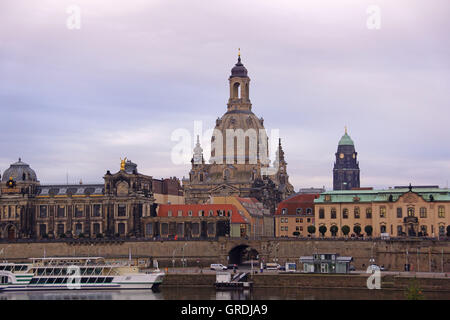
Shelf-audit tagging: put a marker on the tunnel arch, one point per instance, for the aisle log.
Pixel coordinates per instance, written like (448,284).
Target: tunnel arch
(241,254)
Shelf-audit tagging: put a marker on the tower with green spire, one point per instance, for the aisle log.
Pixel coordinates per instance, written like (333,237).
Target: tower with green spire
(346,168)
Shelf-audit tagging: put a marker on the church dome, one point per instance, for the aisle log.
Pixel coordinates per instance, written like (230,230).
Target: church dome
(239,70)
(19,171)
(346,140)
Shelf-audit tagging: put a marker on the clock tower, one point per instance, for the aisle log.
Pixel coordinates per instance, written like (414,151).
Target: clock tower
(346,167)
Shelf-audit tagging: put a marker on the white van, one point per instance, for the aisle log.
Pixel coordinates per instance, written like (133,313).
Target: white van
(218,266)
(272,266)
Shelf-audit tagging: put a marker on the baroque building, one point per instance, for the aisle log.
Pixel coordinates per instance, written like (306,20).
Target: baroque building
(113,208)
(399,212)
(239,165)
(346,167)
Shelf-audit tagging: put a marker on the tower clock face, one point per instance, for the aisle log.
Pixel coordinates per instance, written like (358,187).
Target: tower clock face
(341,156)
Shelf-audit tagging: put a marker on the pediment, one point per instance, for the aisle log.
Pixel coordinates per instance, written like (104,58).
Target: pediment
(410,197)
(224,189)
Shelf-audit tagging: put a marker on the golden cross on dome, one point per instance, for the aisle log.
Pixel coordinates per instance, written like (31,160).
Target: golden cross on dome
(239,52)
(122,164)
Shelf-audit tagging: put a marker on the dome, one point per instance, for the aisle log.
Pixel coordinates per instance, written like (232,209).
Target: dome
(239,70)
(346,140)
(19,171)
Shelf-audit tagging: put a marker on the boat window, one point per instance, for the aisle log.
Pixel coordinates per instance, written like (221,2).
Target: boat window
(2,268)
(59,280)
(42,280)
(8,268)
(40,271)
(34,281)
(51,280)
(98,270)
(92,280)
(108,280)
(84,280)
(101,280)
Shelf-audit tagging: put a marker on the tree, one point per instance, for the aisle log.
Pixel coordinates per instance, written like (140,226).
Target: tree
(345,230)
(334,230)
(311,229)
(323,230)
(414,292)
(368,230)
(295,233)
(357,229)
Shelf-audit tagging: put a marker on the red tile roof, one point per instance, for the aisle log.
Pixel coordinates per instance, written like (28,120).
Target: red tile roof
(303,201)
(236,216)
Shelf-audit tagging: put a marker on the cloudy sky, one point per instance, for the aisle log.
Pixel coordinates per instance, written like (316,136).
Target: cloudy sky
(75,101)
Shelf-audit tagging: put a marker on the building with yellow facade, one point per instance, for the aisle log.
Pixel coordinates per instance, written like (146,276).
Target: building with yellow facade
(398,212)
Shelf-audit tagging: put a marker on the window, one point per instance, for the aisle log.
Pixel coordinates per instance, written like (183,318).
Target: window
(423,229)
(321,213)
(441,230)
(210,213)
(201,213)
(180,213)
(78,228)
(423,212)
(297,220)
(308,220)
(383,229)
(345,213)
(121,228)
(42,229)
(383,212)
(284,211)
(190,213)
(78,211)
(149,229)
(211,228)
(97,210)
(399,230)
(299,210)
(60,229)
(410,212)
(42,211)
(96,227)
(441,212)
(61,211)
(357,212)
(308,211)
(169,213)
(369,213)
(399,213)
(122,210)
(333,213)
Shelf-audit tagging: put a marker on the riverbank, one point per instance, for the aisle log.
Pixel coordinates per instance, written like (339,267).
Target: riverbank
(318,281)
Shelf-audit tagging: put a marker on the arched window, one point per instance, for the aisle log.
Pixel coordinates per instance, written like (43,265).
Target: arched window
(299,210)
(190,213)
(410,212)
(308,210)
(383,229)
(211,213)
(321,213)
(284,211)
(236,90)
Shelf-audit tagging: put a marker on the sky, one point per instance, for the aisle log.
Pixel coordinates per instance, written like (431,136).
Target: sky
(74,101)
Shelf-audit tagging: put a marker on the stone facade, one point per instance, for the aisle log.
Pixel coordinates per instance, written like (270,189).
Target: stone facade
(239,164)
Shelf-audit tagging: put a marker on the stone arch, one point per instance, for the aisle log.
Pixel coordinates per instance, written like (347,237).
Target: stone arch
(236,90)
(242,254)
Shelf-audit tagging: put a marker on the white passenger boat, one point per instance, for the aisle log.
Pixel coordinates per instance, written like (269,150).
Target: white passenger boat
(75,273)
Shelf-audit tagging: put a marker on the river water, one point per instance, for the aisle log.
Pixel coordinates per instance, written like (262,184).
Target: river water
(192,293)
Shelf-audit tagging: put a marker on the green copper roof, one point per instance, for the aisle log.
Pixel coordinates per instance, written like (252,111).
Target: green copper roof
(346,140)
(340,196)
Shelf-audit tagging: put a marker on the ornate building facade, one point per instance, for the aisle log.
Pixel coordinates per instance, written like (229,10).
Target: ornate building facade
(114,208)
(398,212)
(346,167)
(239,164)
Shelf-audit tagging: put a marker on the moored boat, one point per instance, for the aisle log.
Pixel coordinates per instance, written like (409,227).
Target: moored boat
(75,273)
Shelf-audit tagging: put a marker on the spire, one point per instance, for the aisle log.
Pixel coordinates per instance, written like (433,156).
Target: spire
(345,129)
(198,152)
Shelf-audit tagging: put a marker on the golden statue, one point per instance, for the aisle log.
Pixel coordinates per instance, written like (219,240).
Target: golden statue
(122,164)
